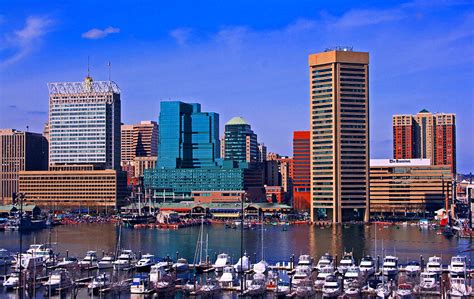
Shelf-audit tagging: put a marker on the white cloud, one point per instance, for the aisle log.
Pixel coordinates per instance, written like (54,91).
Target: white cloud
(181,35)
(23,41)
(100,33)
(364,17)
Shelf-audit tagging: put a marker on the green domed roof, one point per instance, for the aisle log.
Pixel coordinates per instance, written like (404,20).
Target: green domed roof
(236,121)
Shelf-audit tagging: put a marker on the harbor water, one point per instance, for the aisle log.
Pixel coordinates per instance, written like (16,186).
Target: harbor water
(279,243)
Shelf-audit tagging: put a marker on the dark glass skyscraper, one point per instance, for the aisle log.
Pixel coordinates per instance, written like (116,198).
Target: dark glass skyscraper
(240,141)
(188,138)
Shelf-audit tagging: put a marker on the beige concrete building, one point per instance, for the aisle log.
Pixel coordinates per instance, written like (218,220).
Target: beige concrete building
(339,135)
(71,187)
(400,186)
(142,163)
(19,151)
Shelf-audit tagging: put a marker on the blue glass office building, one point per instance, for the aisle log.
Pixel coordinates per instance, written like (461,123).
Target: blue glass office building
(188,138)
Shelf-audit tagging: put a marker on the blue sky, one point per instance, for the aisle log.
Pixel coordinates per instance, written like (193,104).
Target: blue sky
(241,58)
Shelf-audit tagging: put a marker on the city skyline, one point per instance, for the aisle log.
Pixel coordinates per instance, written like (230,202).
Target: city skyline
(428,76)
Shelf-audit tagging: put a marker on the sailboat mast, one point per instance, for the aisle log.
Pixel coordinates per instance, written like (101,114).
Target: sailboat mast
(200,245)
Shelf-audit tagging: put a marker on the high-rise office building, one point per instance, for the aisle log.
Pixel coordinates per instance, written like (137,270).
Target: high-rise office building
(140,140)
(425,136)
(240,141)
(262,153)
(301,170)
(339,135)
(19,151)
(188,138)
(84,123)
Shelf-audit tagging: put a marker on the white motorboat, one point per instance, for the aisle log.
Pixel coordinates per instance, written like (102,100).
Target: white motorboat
(325,261)
(428,282)
(68,263)
(59,280)
(157,271)
(99,282)
(383,291)
(459,288)
(12,281)
(301,273)
(228,278)
(106,262)
(29,262)
(257,286)
(352,277)
(125,260)
(222,261)
(346,262)
(43,251)
(243,264)
(390,265)
(321,277)
(90,260)
(457,267)
(434,265)
(413,269)
(210,288)
(367,266)
(181,265)
(352,292)
(305,289)
(404,291)
(305,260)
(260,267)
(331,287)
(145,263)
(141,284)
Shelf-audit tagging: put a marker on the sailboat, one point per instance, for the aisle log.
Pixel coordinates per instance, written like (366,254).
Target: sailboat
(201,262)
(261,267)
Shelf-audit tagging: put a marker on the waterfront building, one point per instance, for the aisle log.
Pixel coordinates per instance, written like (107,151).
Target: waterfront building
(262,153)
(240,141)
(301,170)
(139,140)
(402,186)
(235,196)
(188,137)
(74,186)
(286,170)
(425,136)
(19,151)
(179,183)
(84,123)
(142,163)
(274,194)
(339,135)
(271,173)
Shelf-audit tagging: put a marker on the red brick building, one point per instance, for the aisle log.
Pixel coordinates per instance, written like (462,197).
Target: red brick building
(426,136)
(301,170)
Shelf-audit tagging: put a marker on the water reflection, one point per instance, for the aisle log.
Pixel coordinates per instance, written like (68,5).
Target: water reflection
(407,242)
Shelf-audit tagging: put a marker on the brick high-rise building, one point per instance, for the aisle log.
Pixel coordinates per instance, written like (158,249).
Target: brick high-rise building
(19,151)
(425,136)
(339,135)
(301,170)
(139,140)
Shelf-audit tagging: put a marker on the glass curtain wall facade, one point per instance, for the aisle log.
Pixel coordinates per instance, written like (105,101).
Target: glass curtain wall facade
(188,138)
(240,141)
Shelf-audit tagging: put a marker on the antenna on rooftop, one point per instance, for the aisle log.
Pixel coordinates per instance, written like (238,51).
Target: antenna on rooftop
(110,68)
(88,66)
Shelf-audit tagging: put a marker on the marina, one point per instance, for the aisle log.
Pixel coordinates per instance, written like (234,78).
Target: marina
(351,261)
